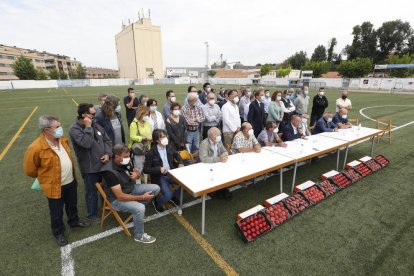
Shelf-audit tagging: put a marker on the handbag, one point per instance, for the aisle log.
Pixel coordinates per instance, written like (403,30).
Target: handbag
(139,148)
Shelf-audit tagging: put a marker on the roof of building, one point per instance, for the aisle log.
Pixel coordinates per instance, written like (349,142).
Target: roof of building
(234,73)
(331,75)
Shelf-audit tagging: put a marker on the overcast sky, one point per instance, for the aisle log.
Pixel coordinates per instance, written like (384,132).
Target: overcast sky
(243,30)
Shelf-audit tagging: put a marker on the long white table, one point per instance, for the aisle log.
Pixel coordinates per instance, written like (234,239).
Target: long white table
(198,180)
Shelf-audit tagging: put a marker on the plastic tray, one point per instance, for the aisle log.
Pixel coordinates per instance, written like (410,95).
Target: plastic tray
(241,232)
(337,188)
(337,184)
(378,158)
(359,175)
(302,197)
(284,204)
(318,188)
(362,165)
(373,164)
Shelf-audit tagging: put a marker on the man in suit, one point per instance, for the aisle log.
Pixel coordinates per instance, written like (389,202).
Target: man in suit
(291,130)
(203,94)
(325,124)
(158,161)
(256,115)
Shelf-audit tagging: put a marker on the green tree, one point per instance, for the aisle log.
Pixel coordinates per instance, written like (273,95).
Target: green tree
(355,68)
(211,73)
(393,38)
(283,72)
(81,71)
(23,68)
(364,43)
(318,67)
(41,74)
(73,74)
(331,47)
(401,72)
(53,74)
(297,60)
(63,75)
(319,54)
(265,69)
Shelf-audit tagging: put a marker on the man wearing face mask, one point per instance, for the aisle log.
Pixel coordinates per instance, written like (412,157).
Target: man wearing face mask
(244,141)
(126,193)
(341,119)
(212,113)
(320,103)
(302,100)
(325,124)
(269,136)
(158,161)
(49,159)
(203,94)
(170,95)
(221,96)
(256,116)
(110,119)
(303,128)
(266,101)
(343,102)
(291,131)
(287,107)
(231,118)
(131,104)
(244,100)
(194,116)
(93,150)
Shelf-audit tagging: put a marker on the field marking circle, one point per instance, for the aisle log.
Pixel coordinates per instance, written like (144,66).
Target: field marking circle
(376,106)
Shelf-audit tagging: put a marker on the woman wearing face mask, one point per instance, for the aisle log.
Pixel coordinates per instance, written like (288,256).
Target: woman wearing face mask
(275,109)
(140,132)
(156,120)
(175,125)
(111,120)
(158,161)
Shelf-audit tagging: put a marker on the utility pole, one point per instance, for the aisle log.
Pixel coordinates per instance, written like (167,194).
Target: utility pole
(207,65)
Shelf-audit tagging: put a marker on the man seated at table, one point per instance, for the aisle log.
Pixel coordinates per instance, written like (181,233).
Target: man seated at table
(341,119)
(325,124)
(212,150)
(269,136)
(120,184)
(244,140)
(291,131)
(304,125)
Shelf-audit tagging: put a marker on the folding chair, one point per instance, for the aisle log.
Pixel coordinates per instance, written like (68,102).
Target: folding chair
(106,207)
(186,155)
(382,121)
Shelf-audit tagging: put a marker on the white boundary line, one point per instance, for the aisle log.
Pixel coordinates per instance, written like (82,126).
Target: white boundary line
(68,263)
(376,106)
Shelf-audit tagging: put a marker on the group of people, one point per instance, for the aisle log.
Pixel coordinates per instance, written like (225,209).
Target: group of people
(208,126)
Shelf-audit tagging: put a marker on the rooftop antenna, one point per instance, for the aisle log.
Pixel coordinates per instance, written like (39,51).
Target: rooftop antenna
(149,13)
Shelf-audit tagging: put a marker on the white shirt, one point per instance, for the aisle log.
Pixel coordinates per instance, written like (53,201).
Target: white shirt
(66,169)
(343,103)
(295,130)
(246,111)
(231,117)
(160,121)
(266,103)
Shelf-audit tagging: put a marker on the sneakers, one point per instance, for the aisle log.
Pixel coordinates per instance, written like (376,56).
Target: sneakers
(61,240)
(145,238)
(94,220)
(158,208)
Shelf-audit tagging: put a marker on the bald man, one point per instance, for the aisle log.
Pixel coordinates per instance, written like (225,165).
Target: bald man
(341,119)
(245,141)
(212,149)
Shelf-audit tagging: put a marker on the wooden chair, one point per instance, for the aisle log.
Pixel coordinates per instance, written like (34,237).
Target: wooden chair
(381,122)
(107,210)
(186,155)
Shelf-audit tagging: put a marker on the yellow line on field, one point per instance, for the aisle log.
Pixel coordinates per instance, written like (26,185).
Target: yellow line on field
(6,149)
(206,246)
(75,102)
(65,91)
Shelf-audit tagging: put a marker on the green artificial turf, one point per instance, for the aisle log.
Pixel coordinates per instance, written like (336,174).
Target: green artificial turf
(366,229)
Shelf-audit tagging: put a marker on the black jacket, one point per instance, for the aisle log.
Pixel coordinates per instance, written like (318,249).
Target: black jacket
(153,162)
(107,125)
(319,105)
(256,117)
(289,134)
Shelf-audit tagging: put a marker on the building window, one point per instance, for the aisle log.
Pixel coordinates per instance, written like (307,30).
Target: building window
(11,57)
(3,73)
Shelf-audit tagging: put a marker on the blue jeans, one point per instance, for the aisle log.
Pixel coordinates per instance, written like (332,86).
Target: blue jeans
(137,209)
(167,193)
(91,194)
(193,138)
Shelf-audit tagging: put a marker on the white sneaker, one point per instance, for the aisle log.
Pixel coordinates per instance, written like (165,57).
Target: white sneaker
(145,239)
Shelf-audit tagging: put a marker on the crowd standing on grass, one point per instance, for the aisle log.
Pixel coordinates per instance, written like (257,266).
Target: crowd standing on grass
(228,122)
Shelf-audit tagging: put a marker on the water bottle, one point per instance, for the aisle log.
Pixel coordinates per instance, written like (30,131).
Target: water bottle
(301,148)
(211,175)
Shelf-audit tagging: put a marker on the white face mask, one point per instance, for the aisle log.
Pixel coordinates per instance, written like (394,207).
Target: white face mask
(344,116)
(321,93)
(173,99)
(251,132)
(329,120)
(212,102)
(176,112)
(249,93)
(278,98)
(236,99)
(262,98)
(276,130)
(125,161)
(146,118)
(306,92)
(304,120)
(208,89)
(267,95)
(164,141)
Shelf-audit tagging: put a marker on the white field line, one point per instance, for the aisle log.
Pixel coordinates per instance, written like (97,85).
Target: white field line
(369,107)
(68,263)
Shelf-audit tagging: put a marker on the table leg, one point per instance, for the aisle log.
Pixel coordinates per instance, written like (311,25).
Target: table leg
(337,159)
(203,213)
(181,197)
(372,147)
(346,156)
(294,176)
(281,180)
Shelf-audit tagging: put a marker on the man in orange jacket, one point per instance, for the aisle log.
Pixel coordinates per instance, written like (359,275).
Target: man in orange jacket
(49,160)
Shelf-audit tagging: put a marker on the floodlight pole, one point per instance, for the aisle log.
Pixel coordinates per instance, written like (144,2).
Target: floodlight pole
(207,58)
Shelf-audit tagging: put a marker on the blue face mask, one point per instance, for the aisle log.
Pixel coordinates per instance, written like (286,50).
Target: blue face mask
(118,109)
(218,139)
(58,132)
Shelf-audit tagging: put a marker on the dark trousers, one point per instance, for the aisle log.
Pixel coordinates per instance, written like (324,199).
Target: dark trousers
(91,194)
(314,118)
(68,199)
